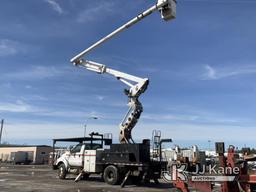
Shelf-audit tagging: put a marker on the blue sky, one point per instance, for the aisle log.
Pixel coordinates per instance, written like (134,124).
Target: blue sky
(201,68)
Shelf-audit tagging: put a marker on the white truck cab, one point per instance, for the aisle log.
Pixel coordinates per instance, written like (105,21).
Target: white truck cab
(81,157)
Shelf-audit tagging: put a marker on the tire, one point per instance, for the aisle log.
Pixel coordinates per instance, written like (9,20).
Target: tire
(62,171)
(111,175)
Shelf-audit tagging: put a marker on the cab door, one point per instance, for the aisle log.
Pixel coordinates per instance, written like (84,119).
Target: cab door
(76,156)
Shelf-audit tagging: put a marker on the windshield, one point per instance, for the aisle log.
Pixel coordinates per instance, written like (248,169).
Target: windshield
(76,148)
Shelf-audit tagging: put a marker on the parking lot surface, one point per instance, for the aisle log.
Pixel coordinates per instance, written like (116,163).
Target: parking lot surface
(35,178)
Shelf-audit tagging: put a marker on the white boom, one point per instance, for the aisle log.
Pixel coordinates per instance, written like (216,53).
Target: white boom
(137,87)
(167,9)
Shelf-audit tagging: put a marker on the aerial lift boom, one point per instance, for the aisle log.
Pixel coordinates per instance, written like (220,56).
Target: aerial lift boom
(167,9)
(137,85)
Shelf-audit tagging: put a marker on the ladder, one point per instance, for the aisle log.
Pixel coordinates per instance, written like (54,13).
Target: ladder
(156,138)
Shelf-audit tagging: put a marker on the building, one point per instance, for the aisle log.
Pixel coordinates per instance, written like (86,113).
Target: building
(35,154)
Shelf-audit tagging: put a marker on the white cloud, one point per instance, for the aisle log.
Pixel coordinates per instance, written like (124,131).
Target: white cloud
(8,47)
(33,97)
(18,106)
(43,130)
(210,72)
(36,72)
(225,72)
(93,13)
(188,114)
(23,106)
(55,6)
(59,113)
(197,132)
(28,86)
(100,97)
(161,117)
(193,119)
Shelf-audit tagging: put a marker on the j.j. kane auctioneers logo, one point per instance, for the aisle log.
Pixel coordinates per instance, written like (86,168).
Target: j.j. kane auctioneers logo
(213,173)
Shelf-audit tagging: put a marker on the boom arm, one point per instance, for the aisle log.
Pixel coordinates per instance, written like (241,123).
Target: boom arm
(167,9)
(137,87)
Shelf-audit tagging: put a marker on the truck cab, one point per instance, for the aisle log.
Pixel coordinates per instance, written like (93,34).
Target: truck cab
(81,156)
(81,152)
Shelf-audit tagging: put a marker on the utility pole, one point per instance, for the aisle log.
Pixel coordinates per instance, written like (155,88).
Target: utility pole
(1,131)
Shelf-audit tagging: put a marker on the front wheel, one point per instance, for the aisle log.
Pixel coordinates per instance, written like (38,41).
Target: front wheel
(111,175)
(62,172)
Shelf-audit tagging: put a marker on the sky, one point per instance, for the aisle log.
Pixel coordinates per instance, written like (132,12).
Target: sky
(201,68)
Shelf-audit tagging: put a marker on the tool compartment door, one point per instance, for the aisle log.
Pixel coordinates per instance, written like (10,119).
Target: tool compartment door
(89,161)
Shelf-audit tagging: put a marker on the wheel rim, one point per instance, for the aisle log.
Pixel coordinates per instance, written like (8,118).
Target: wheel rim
(110,175)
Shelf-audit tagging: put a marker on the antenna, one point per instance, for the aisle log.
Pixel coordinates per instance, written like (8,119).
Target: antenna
(1,131)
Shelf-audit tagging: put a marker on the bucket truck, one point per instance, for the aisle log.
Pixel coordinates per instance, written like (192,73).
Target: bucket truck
(126,159)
